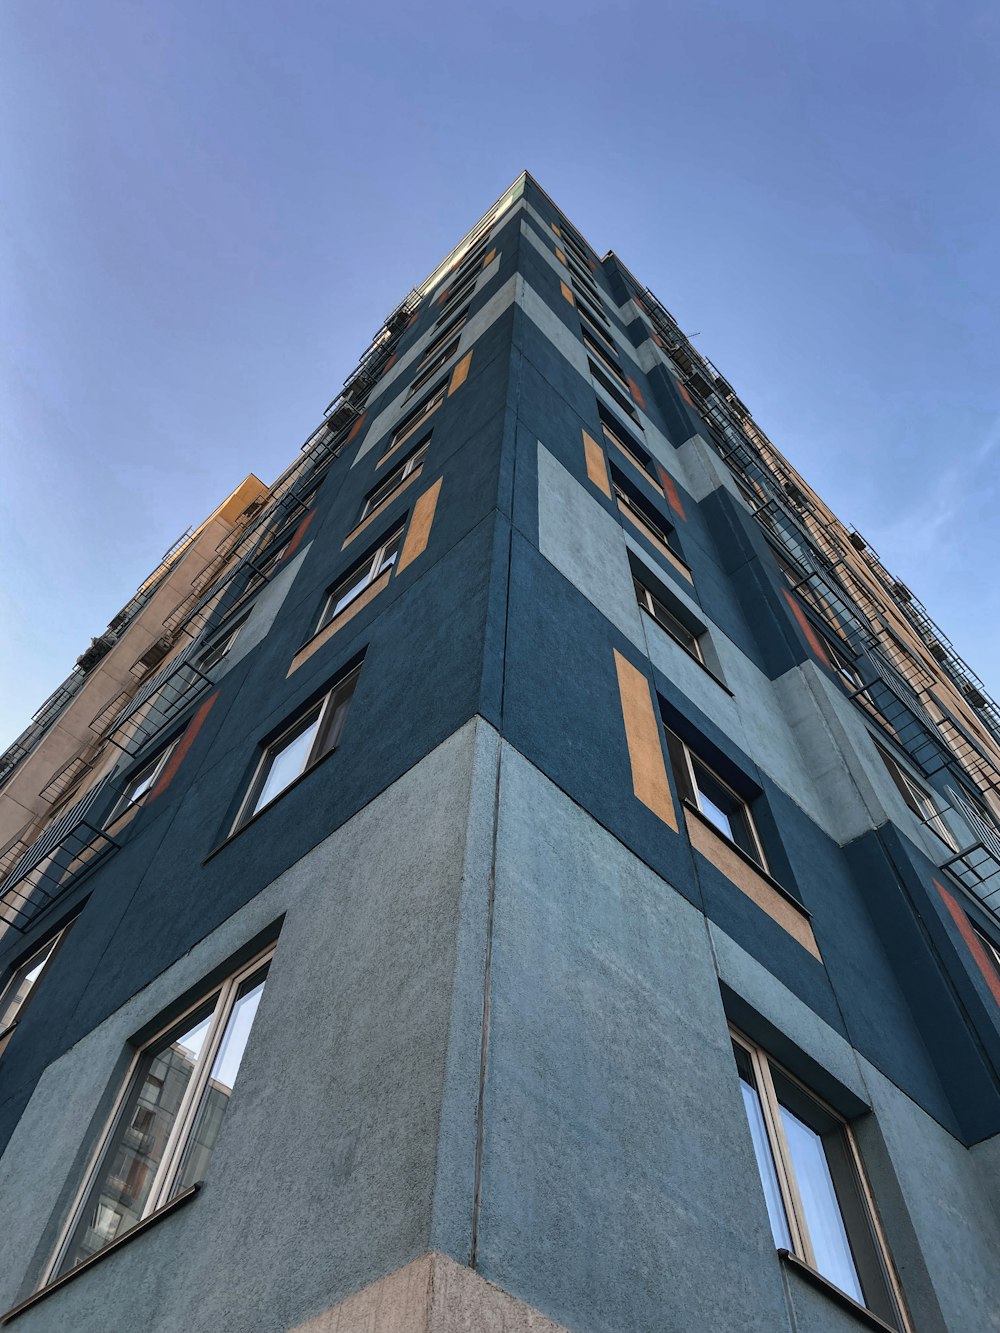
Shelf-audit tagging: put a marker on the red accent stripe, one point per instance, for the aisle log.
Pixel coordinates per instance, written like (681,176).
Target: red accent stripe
(355,428)
(990,974)
(685,395)
(636,392)
(187,740)
(414,316)
(813,639)
(388,364)
(300,532)
(670,491)
(441,297)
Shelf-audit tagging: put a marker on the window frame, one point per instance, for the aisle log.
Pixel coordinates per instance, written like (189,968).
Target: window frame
(321,713)
(596,351)
(669,621)
(686,761)
(153,767)
(219,649)
(662,530)
(403,470)
(225,995)
(920,800)
(858,1215)
(604,381)
(457,324)
(437,363)
(330,609)
(415,418)
(46,953)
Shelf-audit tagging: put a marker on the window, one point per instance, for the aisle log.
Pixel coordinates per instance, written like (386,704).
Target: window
(717,801)
(599,320)
(814,1189)
(611,388)
(617,435)
(443,336)
(21,986)
(844,668)
(140,784)
(643,516)
(674,626)
(455,298)
(413,420)
(611,366)
(446,352)
(313,735)
(407,468)
(222,645)
(360,578)
(168,1119)
(918,798)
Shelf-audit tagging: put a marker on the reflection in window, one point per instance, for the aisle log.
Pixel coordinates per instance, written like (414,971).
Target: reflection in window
(360,578)
(169,1120)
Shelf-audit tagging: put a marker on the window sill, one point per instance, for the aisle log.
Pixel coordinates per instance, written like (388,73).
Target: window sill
(821,1283)
(748,860)
(132,1232)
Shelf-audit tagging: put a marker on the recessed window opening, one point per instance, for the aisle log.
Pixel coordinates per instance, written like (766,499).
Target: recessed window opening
(616,434)
(308,739)
(140,784)
(817,1199)
(456,298)
(456,324)
(718,802)
(414,419)
(222,645)
(919,799)
(435,365)
(666,619)
(362,576)
(612,389)
(642,513)
(596,318)
(23,981)
(609,364)
(392,482)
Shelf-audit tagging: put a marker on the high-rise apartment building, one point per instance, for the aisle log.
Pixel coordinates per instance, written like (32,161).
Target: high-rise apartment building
(532,867)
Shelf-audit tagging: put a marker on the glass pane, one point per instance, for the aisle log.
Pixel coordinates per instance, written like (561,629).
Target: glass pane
(819,1205)
(285,762)
(220,1084)
(125,1180)
(343,597)
(765,1165)
(388,558)
(20,985)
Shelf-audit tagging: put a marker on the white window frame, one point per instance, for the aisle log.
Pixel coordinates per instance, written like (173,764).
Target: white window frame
(391,483)
(419,415)
(322,716)
(41,958)
(669,621)
(375,568)
(783,1162)
(438,362)
(141,783)
(689,777)
(220,648)
(918,800)
(184,1121)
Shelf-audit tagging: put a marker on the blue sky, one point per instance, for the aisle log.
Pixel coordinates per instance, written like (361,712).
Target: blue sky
(207,209)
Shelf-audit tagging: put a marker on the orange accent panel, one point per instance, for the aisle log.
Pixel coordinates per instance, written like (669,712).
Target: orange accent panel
(597,468)
(460,374)
(441,297)
(490,257)
(636,392)
(180,750)
(419,527)
(413,317)
(555,228)
(990,975)
(300,532)
(749,881)
(388,365)
(813,639)
(592,265)
(645,747)
(658,340)
(670,491)
(328,631)
(560,256)
(355,428)
(567,293)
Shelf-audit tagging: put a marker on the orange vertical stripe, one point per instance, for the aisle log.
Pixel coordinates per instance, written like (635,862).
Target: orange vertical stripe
(597,468)
(355,428)
(419,527)
(300,532)
(645,748)
(460,374)
(813,639)
(180,750)
(670,491)
(990,974)
(567,293)
(636,392)
(685,395)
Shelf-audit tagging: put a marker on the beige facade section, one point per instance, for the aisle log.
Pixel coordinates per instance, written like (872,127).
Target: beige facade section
(597,468)
(751,882)
(419,529)
(328,631)
(645,748)
(433,1294)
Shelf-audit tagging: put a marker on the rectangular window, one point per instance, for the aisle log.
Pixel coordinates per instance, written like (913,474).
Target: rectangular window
(22,983)
(612,389)
(643,516)
(435,365)
(407,468)
(455,325)
(616,434)
(610,365)
(455,299)
(716,800)
(361,577)
(140,784)
(169,1116)
(674,626)
(413,420)
(596,317)
(844,668)
(817,1199)
(222,645)
(307,740)
(918,798)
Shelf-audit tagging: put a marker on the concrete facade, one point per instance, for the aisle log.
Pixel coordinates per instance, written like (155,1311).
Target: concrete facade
(491,1082)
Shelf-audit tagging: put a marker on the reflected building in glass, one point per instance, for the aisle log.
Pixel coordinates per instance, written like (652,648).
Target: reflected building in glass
(529,867)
